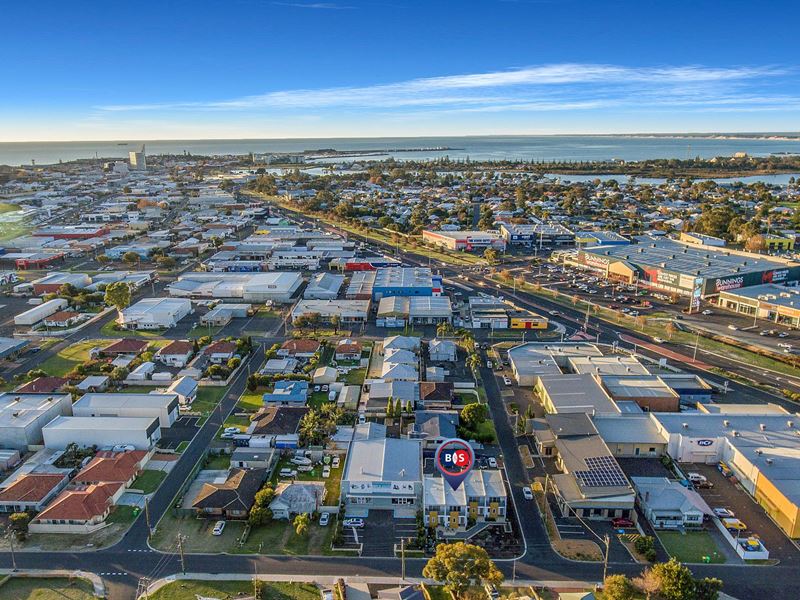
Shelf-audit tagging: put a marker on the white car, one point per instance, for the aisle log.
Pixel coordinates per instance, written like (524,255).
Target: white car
(527,493)
(723,513)
(658,340)
(324,519)
(707,312)
(506,380)
(218,528)
(733,328)
(326,471)
(492,462)
(232,430)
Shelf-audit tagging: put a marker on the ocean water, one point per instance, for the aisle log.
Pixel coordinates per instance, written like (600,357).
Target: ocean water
(560,147)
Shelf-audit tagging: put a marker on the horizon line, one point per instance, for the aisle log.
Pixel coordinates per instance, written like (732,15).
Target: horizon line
(411,137)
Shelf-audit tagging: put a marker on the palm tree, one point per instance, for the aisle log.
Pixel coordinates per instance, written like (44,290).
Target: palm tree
(442,329)
(473,360)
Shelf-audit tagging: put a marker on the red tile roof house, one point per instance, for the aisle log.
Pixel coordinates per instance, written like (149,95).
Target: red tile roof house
(82,509)
(43,385)
(31,492)
(175,354)
(348,349)
(298,349)
(113,467)
(220,352)
(125,346)
(63,318)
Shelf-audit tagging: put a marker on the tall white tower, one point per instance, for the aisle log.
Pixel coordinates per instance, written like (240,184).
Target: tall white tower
(138,160)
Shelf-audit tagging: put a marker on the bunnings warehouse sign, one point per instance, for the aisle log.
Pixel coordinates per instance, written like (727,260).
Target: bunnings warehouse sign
(733,282)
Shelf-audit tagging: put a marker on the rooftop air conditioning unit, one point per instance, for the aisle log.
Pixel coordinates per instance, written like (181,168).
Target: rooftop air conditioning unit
(726,423)
(685,425)
(790,424)
(762,426)
(759,451)
(769,461)
(736,434)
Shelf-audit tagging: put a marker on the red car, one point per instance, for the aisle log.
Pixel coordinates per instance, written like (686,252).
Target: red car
(621,523)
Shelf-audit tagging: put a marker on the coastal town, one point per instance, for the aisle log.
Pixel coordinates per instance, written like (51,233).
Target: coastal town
(209,361)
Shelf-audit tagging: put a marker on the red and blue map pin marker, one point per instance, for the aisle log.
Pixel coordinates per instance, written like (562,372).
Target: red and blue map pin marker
(455,459)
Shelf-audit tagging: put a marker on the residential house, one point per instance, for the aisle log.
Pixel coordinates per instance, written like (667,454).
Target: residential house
(82,509)
(63,318)
(115,467)
(232,498)
(299,348)
(185,388)
(31,492)
(125,346)
(348,349)
(275,366)
(442,350)
(94,383)
(254,458)
(669,505)
(297,498)
(175,354)
(435,395)
(277,420)
(287,393)
(434,427)
(43,385)
(220,352)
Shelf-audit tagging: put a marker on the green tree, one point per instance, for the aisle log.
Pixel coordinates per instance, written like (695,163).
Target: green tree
(118,294)
(491,255)
(473,361)
(336,321)
(166,262)
(708,588)
(398,408)
(474,414)
(460,565)
(301,523)
(130,258)
(409,407)
(390,408)
(618,587)
(18,524)
(675,580)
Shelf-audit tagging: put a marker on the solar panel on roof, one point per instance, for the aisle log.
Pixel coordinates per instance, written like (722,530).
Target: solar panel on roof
(603,472)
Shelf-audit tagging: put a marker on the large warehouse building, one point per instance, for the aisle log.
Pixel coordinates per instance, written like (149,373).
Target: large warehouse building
(464,240)
(686,269)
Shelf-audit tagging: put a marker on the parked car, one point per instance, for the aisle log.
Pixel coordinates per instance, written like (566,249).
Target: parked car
(336,462)
(232,430)
(491,591)
(733,327)
(621,523)
(287,473)
(734,524)
(219,527)
(527,493)
(696,477)
(658,340)
(782,334)
(492,461)
(723,513)
(326,471)
(707,312)
(324,519)
(506,380)
(353,522)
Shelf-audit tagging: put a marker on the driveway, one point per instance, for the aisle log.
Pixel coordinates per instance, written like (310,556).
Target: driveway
(382,531)
(182,430)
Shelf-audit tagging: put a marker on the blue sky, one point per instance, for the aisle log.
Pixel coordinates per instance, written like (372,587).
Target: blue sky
(297,68)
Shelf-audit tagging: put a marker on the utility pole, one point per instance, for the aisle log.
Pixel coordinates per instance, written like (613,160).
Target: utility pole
(180,551)
(255,581)
(402,559)
(605,557)
(696,340)
(143,588)
(514,572)
(13,556)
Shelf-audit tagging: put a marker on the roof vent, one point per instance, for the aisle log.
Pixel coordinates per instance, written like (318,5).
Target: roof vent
(726,423)
(762,426)
(769,461)
(735,434)
(759,451)
(685,425)
(790,424)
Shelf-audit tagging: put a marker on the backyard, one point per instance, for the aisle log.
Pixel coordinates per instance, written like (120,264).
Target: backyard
(71,356)
(227,590)
(46,588)
(691,547)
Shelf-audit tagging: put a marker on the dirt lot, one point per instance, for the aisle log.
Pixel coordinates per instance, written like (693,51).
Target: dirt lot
(724,494)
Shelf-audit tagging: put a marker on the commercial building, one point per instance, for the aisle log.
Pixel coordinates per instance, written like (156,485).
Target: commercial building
(383,474)
(162,406)
(104,432)
(489,312)
(464,240)
(631,435)
(536,234)
(324,286)
(481,497)
(571,393)
(51,283)
(686,269)
(249,287)
(650,392)
(591,484)
(155,313)
(397,311)
(771,302)
(600,238)
(529,361)
(38,313)
(360,286)
(405,281)
(348,311)
(71,232)
(22,417)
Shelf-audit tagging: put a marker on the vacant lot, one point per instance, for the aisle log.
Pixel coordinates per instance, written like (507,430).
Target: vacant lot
(66,360)
(226,590)
(148,481)
(50,588)
(691,546)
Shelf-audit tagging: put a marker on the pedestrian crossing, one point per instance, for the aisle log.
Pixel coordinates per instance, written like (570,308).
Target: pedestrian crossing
(143,550)
(113,573)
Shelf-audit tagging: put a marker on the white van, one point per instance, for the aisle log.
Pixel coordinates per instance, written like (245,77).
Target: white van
(697,478)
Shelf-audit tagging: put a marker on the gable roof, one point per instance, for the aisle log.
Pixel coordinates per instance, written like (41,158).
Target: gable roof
(179,347)
(435,390)
(220,347)
(236,493)
(301,346)
(277,420)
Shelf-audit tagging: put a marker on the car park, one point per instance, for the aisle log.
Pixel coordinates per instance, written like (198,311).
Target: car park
(219,527)
(527,493)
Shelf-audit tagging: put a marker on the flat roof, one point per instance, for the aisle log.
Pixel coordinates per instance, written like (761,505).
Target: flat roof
(607,365)
(678,257)
(386,459)
(628,428)
(545,228)
(573,393)
(637,386)
(18,410)
(123,400)
(771,293)
(403,277)
(100,423)
(460,235)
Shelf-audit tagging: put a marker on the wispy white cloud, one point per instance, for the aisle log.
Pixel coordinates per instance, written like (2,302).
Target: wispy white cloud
(315,5)
(555,87)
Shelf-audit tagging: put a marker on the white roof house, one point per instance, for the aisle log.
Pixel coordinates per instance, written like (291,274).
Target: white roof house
(104,432)
(155,313)
(163,406)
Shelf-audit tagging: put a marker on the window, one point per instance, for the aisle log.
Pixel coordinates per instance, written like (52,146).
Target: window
(359,500)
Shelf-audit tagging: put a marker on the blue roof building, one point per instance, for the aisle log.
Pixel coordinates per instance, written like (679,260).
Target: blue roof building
(287,393)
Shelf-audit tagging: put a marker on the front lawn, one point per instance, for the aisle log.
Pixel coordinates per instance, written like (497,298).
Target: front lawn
(218,462)
(227,590)
(148,481)
(355,376)
(691,547)
(109,330)
(46,588)
(279,537)
(207,399)
(251,401)
(122,513)
(71,356)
